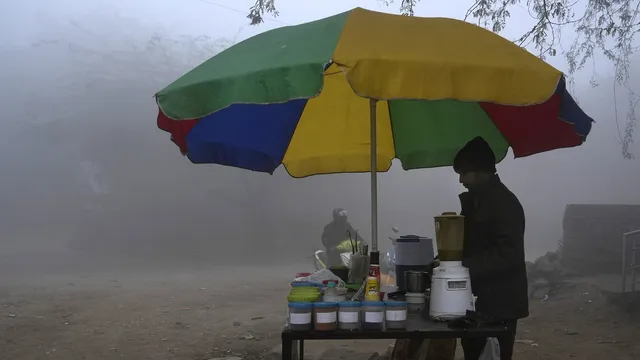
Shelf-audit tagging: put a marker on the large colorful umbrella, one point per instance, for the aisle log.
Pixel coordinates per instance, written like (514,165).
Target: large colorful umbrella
(305,96)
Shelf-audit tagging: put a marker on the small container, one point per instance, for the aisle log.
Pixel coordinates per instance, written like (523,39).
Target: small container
(386,290)
(373,315)
(349,315)
(333,294)
(396,315)
(325,316)
(415,302)
(342,294)
(300,316)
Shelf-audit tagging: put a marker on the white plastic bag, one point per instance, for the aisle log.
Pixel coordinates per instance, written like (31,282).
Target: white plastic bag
(491,350)
(321,275)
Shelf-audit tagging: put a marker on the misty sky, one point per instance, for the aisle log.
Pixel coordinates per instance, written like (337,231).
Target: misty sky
(85,166)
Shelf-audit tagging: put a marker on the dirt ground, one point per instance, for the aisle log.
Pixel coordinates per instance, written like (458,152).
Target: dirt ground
(239,312)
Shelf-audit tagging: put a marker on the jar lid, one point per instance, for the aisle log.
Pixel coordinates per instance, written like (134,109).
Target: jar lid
(303,284)
(373,303)
(396,303)
(449,215)
(301,305)
(325,304)
(349,304)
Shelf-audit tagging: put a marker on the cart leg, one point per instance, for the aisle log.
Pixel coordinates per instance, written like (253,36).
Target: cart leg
(301,352)
(287,348)
(295,355)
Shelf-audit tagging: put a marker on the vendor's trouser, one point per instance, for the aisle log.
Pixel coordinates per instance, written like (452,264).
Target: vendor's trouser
(473,347)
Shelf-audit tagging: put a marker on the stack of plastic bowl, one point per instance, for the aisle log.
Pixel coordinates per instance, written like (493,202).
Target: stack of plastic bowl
(304,292)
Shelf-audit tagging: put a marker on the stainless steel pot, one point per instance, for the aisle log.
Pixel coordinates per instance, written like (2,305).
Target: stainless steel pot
(416,281)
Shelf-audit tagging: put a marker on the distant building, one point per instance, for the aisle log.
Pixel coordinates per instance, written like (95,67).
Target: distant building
(592,236)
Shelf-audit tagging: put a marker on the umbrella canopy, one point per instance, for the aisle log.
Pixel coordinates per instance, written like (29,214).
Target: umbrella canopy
(298,96)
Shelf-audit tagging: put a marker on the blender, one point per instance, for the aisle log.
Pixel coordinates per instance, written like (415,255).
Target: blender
(451,294)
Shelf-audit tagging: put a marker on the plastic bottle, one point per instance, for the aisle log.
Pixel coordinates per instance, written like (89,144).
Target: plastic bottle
(372,290)
(331,293)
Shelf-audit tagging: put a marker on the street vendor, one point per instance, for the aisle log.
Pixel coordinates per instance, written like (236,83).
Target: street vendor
(336,237)
(493,245)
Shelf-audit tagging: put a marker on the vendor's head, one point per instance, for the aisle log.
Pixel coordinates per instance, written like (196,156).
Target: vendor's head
(475,163)
(339,215)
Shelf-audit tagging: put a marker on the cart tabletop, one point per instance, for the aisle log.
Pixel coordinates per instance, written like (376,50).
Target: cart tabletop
(417,328)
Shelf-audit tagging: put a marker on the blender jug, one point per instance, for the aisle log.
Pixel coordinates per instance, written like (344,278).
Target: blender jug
(449,236)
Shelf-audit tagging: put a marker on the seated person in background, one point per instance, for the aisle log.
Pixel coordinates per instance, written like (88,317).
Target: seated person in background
(336,235)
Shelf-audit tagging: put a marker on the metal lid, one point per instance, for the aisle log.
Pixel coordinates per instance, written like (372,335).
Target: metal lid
(421,272)
(449,215)
(412,239)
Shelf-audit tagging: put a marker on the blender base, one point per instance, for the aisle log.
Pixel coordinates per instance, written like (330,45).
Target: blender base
(451,294)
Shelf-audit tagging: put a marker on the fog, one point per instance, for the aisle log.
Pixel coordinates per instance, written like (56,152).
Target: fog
(89,182)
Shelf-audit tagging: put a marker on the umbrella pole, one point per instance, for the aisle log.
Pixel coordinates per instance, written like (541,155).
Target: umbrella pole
(374,176)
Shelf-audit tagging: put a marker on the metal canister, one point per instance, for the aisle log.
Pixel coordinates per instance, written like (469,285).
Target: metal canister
(416,281)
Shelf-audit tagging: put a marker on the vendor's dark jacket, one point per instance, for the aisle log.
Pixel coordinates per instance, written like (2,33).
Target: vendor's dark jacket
(494,250)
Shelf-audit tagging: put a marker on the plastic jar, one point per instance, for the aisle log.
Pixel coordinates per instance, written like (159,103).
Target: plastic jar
(349,315)
(300,316)
(396,315)
(373,315)
(325,316)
